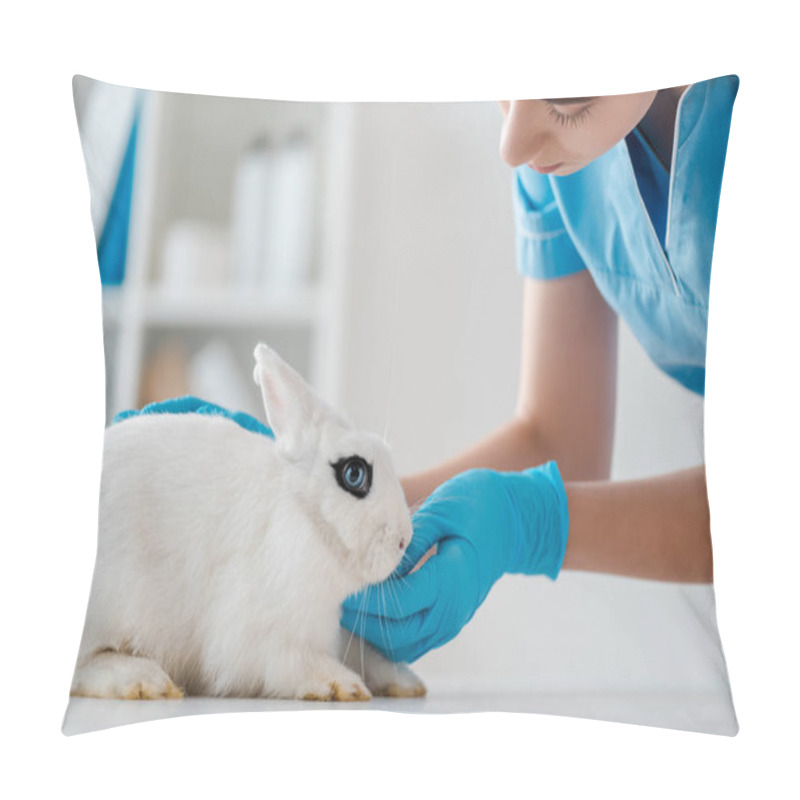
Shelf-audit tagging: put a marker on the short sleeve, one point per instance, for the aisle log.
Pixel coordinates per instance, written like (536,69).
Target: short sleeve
(544,247)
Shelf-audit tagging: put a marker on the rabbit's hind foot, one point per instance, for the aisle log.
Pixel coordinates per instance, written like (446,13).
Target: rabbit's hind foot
(113,675)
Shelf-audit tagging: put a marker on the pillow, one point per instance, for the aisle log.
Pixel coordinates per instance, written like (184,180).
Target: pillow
(357,260)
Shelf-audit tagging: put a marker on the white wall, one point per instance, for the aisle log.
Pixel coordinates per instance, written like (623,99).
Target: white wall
(432,357)
(434,326)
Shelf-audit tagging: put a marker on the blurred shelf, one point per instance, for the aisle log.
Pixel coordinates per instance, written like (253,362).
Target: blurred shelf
(188,151)
(231,308)
(112,305)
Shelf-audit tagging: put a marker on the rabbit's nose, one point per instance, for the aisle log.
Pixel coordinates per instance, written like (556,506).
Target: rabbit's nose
(402,543)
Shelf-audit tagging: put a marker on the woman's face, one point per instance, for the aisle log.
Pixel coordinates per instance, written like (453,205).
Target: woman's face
(562,135)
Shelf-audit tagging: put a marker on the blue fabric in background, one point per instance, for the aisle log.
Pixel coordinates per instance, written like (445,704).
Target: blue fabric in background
(113,244)
(194,405)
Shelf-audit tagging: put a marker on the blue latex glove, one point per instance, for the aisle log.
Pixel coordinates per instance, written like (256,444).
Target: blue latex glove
(194,405)
(484,524)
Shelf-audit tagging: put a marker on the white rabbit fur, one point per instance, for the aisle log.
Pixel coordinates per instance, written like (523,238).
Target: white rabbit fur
(223,556)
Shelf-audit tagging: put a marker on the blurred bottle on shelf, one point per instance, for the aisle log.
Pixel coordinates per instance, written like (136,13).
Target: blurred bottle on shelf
(251,212)
(288,257)
(272,214)
(196,256)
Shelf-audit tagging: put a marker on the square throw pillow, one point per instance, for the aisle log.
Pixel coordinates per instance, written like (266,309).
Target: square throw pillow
(354,456)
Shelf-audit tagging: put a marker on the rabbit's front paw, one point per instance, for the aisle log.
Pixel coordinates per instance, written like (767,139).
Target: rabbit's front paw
(118,676)
(401,683)
(340,684)
(387,679)
(383,677)
(333,689)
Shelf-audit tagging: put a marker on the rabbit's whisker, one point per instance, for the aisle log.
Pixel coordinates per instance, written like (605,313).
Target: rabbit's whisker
(349,642)
(383,629)
(363,614)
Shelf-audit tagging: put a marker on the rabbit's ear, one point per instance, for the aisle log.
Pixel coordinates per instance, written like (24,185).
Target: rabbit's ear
(288,401)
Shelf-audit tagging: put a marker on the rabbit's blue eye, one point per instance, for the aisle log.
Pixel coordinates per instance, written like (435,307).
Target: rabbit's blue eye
(354,475)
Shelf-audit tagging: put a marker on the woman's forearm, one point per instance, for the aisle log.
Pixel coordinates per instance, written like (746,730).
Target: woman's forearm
(515,446)
(657,528)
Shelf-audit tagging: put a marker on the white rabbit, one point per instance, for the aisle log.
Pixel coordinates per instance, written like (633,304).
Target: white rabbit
(223,555)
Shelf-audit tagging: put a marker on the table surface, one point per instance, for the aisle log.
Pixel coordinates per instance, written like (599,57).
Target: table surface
(701,712)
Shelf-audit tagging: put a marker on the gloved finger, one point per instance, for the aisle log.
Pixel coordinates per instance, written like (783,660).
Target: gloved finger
(400,596)
(433,635)
(241,418)
(369,599)
(355,601)
(252,424)
(427,532)
(367,627)
(195,405)
(357,608)
(388,635)
(176,405)
(374,615)
(410,653)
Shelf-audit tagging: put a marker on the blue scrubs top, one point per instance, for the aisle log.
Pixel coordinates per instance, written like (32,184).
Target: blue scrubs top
(645,235)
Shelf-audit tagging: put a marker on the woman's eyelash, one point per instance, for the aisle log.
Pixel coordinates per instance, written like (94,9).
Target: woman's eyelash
(568,120)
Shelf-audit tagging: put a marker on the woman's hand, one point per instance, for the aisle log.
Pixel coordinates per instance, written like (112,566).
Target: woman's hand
(483,524)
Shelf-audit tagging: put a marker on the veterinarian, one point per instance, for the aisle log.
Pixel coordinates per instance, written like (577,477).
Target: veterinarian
(616,202)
